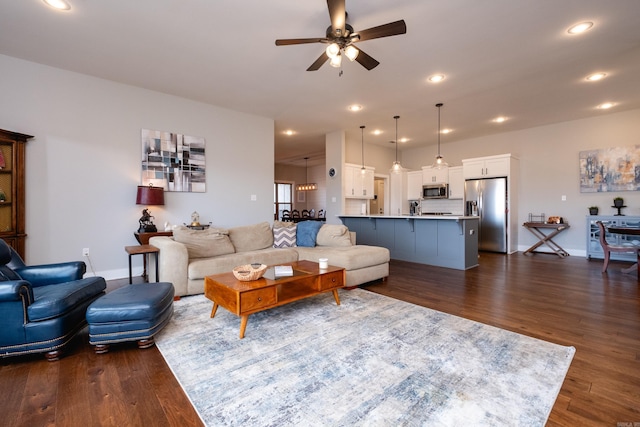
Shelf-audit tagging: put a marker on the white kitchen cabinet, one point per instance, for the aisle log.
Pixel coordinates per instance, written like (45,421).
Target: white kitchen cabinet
(486,167)
(398,203)
(414,185)
(431,175)
(356,184)
(456,183)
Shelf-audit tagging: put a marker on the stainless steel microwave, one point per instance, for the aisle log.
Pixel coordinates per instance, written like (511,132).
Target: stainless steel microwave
(435,191)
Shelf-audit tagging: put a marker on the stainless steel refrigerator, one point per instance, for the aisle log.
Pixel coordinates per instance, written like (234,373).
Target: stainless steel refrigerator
(487,199)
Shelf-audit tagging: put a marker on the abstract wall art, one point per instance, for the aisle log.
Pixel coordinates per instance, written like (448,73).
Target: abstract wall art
(173,161)
(610,169)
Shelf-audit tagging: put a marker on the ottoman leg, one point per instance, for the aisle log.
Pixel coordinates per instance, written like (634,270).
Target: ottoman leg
(101,348)
(146,343)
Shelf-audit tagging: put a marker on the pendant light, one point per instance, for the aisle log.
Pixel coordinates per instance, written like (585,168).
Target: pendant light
(396,165)
(439,163)
(306,186)
(363,170)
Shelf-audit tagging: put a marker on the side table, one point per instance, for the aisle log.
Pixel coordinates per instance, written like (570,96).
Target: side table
(143,239)
(546,239)
(143,250)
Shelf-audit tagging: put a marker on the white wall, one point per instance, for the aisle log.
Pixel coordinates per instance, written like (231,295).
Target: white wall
(83,165)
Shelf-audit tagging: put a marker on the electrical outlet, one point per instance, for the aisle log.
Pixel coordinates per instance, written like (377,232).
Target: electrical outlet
(85,251)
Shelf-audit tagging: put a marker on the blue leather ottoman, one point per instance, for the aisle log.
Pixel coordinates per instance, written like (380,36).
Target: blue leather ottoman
(131,313)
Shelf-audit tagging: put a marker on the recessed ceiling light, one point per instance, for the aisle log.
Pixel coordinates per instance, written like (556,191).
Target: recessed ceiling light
(58,4)
(377,132)
(288,132)
(404,140)
(606,105)
(436,78)
(500,119)
(446,131)
(596,76)
(355,107)
(580,28)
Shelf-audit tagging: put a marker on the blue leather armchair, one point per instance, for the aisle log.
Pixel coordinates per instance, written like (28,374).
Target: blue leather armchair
(42,307)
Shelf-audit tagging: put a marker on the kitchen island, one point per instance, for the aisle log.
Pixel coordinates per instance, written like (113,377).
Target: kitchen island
(441,240)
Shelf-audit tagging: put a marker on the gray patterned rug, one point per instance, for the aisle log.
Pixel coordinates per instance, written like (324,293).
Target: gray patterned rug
(372,361)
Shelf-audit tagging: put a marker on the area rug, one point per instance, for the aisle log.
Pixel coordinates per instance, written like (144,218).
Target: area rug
(372,361)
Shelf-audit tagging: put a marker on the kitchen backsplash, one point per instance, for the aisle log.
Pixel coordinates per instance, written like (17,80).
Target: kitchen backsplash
(455,206)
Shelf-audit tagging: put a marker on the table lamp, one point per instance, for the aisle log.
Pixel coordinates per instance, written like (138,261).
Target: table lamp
(148,196)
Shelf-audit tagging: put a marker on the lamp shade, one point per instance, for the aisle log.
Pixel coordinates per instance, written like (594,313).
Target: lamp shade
(149,195)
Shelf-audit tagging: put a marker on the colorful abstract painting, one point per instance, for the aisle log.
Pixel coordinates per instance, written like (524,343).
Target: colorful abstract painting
(173,161)
(610,169)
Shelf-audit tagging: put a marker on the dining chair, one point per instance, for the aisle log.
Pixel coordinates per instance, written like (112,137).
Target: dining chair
(608,248)
(306,214)
(321,213)
(295,213)
(286,215)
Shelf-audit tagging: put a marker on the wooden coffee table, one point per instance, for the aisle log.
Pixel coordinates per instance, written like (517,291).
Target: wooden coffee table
(246,298)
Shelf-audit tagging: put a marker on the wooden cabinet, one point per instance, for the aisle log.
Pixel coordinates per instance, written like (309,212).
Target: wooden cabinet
(431,175)
(414,185)
(358,185)
(12,190)
(486,167)
(456,183)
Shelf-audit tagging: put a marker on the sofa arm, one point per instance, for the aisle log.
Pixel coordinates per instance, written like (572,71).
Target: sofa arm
(16,290)
(50,274)
(173,263)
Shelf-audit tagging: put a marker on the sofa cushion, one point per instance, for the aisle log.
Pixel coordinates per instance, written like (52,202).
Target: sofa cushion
(204,243)
(284,234)
(53,300)
(251,237)
(333,235)
(306,233)
(200,268)
(349,258)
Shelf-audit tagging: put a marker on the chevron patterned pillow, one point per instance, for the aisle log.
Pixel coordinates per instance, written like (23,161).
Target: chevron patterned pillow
(284,237)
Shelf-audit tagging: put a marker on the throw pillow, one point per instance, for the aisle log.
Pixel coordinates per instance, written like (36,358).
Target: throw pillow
(251,237)
(284,234)
(306,233)
(333,235)
(204,243)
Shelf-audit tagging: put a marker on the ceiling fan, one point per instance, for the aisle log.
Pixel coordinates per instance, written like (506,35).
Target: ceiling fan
(341,38)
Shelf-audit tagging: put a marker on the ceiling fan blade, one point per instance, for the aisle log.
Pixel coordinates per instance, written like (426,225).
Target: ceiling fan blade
(366,61)
(318,63)
(386,30)
(338,15)
(285,42)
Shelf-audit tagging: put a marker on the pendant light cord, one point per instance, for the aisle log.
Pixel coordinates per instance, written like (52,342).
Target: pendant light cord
(396,118)
(439,105)
(362,131)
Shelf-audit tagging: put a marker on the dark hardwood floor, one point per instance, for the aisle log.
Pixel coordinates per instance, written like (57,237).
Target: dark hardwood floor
(565,301)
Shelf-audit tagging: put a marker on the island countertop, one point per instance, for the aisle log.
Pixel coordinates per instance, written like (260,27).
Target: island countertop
(423,216)
(441,240)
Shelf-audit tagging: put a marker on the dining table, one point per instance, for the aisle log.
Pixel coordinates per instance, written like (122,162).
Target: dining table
(629,231)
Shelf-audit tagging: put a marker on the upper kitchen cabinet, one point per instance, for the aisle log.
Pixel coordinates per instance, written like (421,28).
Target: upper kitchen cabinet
(12,189)
(431,175)
(487,167)
(358,185)
(456,183)
(414,185)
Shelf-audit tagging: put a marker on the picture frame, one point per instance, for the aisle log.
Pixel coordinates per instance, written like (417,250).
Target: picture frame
(301,197)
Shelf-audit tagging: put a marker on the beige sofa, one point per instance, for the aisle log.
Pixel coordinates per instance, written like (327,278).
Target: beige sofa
(187,257)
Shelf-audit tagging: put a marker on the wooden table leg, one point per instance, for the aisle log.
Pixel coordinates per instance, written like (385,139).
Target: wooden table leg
(335,295)
(243,325)
(214,309)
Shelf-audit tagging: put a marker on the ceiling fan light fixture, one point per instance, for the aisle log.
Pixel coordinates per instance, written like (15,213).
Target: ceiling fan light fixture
(351,52)
(332,50)
(336,61)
